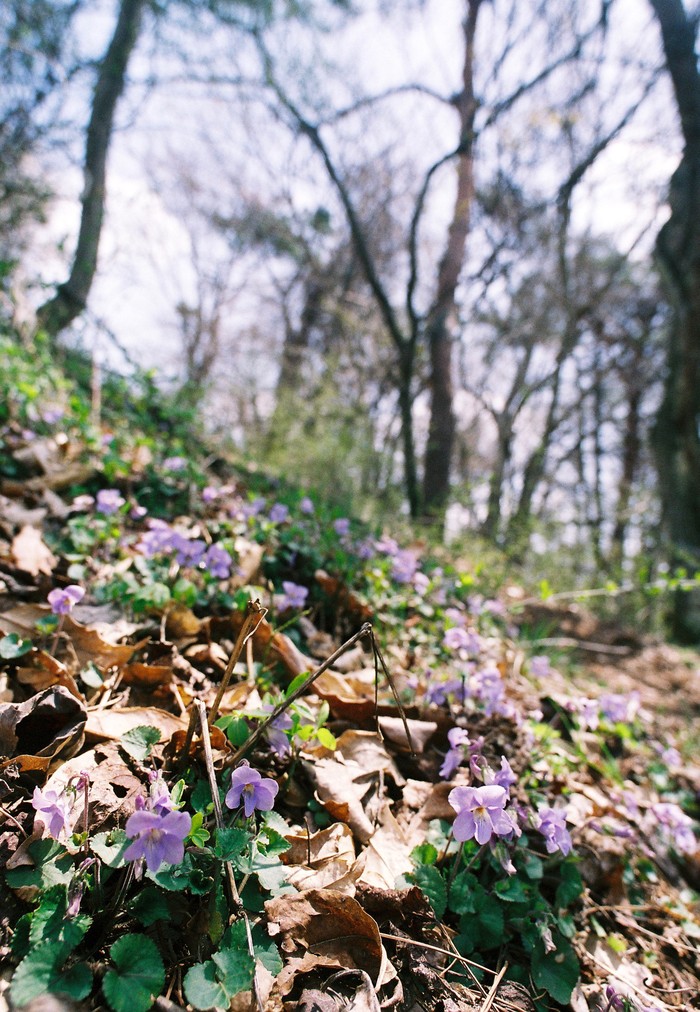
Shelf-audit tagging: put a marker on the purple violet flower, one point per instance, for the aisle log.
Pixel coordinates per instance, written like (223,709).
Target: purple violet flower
(540,666)
(404,567)
(159,799)
(293,598)
(504,777)
(157,540)
(619,708)
(158,839)
(275,734)
(676,826)
(480,813)
(387,546)
(175,464)
(63,601)
(551,822)
(306,506)
(108,501)
(458,751)
(487,686)
(457,638)
(252,790)
(189,552)
(209,494)
(218,562)
(54,810)
(341,526)
(278,513)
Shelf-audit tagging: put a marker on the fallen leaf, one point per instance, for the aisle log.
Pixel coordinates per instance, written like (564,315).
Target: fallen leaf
(90,646)
(110,725)
(181,622)
(344,701)
(421,732)
(146,674)
(329,926)
(324,860)
(31,554)
(387,855)
(50,723)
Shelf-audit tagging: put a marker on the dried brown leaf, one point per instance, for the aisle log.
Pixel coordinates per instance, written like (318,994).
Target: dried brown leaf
(31,554)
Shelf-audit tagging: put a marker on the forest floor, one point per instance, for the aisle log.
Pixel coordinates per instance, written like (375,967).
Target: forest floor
(356,684)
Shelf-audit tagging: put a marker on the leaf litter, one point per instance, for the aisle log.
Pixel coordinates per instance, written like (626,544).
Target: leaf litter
(359,900)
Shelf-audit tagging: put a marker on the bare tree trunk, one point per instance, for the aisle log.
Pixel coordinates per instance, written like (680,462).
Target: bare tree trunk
(441,429)
(71,297)
(675,437)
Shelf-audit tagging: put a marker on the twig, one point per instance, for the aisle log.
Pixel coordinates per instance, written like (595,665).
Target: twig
(436,948)
(366,630)
(570,641)
(390,680)
(256,613)
(493,990)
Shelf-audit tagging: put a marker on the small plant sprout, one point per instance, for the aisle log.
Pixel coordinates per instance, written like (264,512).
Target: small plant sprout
(157,839)
(481,813)
(251,790)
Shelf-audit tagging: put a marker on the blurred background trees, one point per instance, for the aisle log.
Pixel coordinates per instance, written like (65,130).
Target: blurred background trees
(401,252)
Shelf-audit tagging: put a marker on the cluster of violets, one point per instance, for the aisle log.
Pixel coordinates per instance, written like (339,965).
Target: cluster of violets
(162,539)
(476,687)
(482,812)
(157,830)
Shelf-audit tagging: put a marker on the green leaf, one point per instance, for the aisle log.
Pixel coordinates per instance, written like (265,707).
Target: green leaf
(110,847)
(213,984)
(484,928)
(512,890)
(556,972)
(40,973)
(235,968)
(425,853)
(203,989)
(295,683)
(464,889)
(271,842)
(198,834)
(12,646)
(433,885)
(237,731)
(230,843)
(533,867)
(185,592)
(139,741)
(571,885)
(326,738)
(47,624)
(50,924)
(53,865)
(139,974)
(149,906)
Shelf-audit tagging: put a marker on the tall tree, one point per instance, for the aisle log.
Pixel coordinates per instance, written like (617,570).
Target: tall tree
(676,436)
(71,297)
